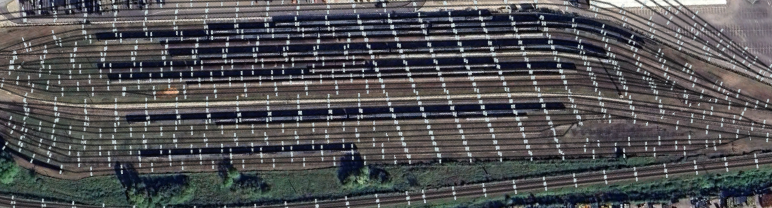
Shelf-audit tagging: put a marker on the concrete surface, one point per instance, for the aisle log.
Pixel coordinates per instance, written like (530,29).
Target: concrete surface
(639,3)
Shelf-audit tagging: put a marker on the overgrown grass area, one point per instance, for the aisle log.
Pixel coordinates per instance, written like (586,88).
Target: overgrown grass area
(277,186)
(434,176)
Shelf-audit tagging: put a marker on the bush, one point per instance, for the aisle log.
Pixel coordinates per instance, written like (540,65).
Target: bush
(250,184)
(8,168)
(166,195)
(160,191)
(231,176)
(378,174)
(365,176)
(361,177)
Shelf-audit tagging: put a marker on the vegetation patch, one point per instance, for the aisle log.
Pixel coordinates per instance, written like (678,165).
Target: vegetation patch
(160,191)
(92,190)
(248,185)
(736,183)
(8,168)
(231,187)
(353,173)
(154,191)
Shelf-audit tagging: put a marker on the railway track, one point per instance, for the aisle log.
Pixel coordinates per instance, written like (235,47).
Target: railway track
(601,70)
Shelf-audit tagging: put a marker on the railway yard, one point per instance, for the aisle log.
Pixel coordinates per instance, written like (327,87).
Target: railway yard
(99,89)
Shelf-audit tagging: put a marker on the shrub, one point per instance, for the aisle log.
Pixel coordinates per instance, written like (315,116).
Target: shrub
(251,184)
(378,174)
(365,176)
(8,168)
(231,176)
(160,191)
(237,182)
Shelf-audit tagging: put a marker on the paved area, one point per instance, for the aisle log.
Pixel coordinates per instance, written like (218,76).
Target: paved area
(638,3)
(749,25)
(7,9)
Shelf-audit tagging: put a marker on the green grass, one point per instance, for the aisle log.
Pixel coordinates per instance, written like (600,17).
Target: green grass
(323,183)
(307,184)
(283,185)
(93,190)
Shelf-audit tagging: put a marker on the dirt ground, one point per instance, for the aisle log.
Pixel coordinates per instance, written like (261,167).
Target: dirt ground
(749,25)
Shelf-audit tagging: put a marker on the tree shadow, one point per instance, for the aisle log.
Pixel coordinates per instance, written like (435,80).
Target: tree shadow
(126,174)
(223,166)
(152,191)
(350,164)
